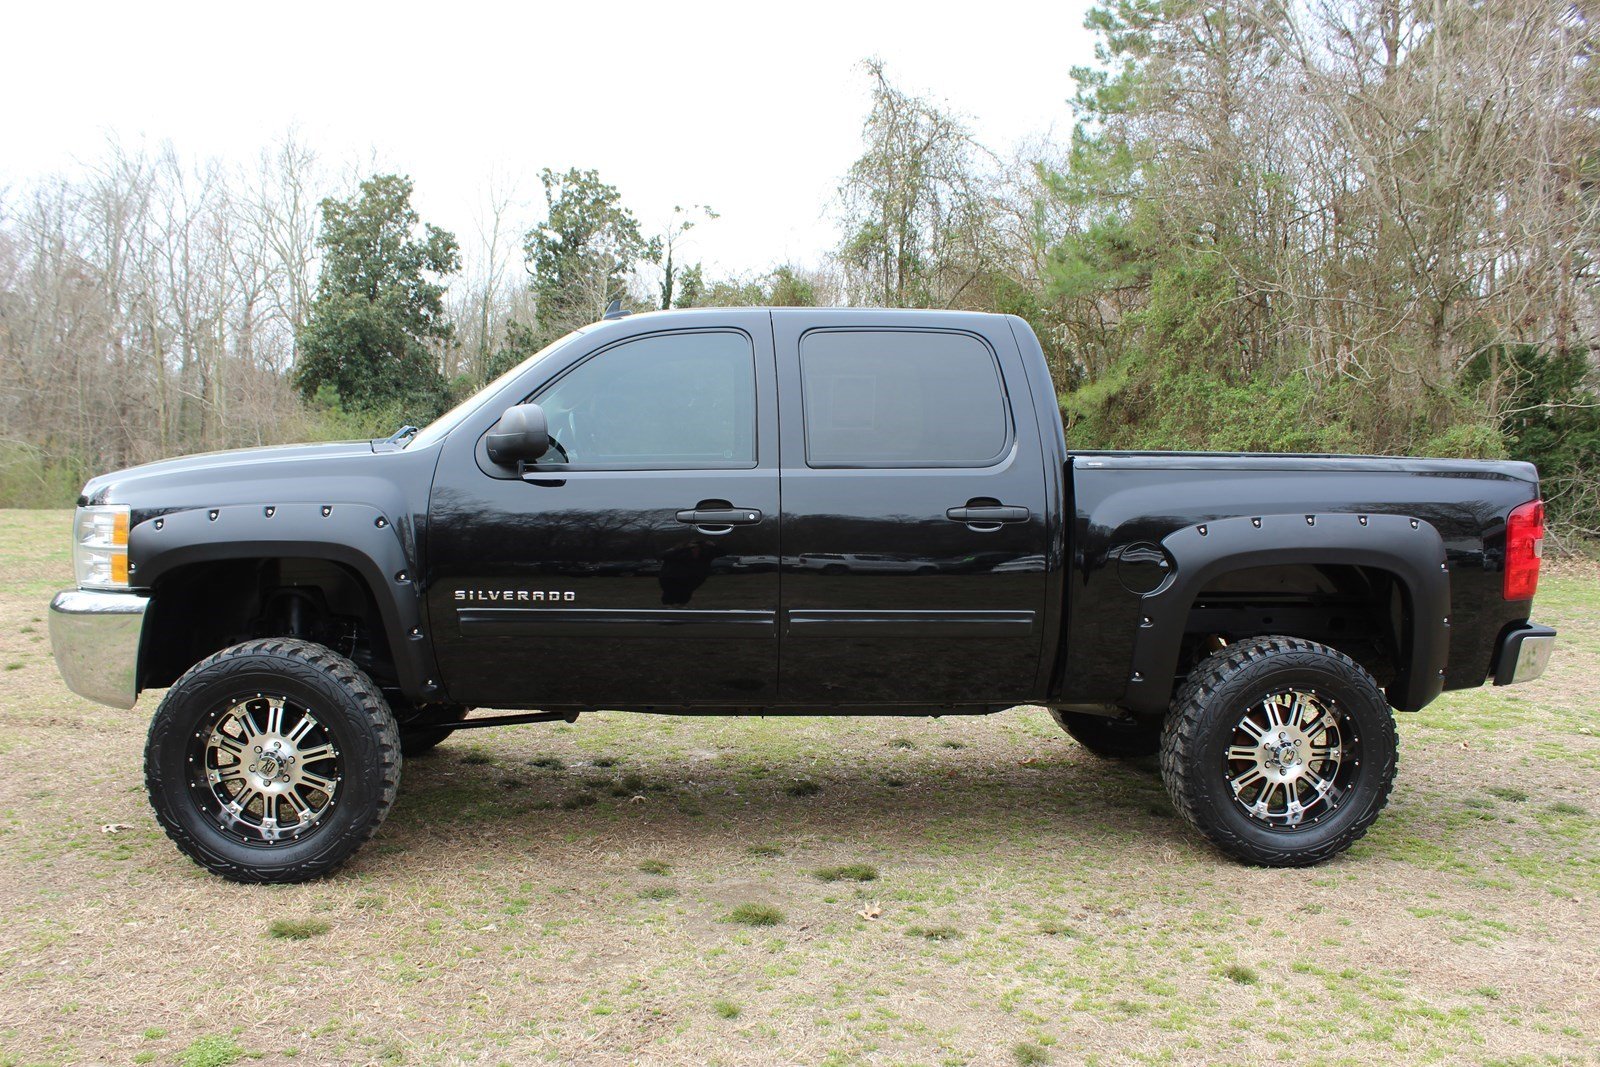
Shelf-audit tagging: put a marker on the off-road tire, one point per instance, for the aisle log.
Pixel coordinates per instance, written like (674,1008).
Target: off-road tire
(1201,723)
(1109,738)
(346,702)
(424,735)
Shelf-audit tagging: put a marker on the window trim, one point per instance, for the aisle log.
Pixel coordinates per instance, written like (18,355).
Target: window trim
(542,465)
(1007,444)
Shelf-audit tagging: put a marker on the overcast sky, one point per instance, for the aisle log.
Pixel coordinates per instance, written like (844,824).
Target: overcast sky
(756,114)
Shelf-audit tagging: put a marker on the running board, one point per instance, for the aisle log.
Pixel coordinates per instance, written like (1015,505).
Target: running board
(470,723)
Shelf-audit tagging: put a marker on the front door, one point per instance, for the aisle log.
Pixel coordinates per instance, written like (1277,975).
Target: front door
(914,514)
(636,563)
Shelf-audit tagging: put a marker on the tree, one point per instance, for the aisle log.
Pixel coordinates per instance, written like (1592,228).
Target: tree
(666,248)
(582,255)
(915,205)
(378,304)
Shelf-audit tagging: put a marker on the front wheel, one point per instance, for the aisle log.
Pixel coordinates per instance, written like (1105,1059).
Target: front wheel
(272,761)
(1281,751)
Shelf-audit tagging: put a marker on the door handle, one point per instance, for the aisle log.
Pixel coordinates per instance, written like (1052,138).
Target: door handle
(987,514)
(720,515)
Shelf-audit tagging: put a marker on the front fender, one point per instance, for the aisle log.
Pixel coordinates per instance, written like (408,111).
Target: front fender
(357,535)
(1408,548)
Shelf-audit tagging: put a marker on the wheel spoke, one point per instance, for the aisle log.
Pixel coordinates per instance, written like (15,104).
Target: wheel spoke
(1244,752)
(302,810)
(1246,779)
(320,752)
(318,782)
(301,728)
(1249,726)
(274,716)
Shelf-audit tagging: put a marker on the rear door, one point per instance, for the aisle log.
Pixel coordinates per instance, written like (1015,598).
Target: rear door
(914,526)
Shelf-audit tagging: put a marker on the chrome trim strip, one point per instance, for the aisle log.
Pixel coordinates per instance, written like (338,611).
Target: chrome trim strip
(95,637)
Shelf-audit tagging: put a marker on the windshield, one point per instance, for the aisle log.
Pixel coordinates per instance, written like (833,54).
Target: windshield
(439,428)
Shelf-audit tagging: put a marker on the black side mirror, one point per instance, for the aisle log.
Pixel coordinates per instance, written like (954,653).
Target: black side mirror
(522,434)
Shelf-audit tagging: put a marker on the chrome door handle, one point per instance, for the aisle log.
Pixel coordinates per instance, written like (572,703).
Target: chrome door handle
(720,516)
(987,514)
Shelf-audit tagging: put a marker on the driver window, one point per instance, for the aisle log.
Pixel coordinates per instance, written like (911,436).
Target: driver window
(684,400)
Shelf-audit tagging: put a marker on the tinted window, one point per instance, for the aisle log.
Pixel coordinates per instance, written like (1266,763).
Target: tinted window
(677,400)
(901,399)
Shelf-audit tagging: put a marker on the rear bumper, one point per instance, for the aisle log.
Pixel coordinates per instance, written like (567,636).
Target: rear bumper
(1523,654)
(95,637)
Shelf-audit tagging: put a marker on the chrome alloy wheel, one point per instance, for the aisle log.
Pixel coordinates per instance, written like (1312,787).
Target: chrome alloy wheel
(268,769)
(1291,759)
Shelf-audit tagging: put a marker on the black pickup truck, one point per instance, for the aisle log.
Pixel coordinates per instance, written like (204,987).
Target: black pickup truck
(833,511)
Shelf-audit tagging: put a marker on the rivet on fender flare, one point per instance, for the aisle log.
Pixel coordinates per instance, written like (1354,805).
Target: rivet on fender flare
(326,510)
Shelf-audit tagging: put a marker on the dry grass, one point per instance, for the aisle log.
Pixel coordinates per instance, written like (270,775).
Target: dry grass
(494,919)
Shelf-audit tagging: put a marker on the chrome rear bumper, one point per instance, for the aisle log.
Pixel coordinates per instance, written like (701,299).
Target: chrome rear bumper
(95,637)
(1524,654)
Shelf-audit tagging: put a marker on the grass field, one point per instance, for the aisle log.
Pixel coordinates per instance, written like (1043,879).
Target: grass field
(808,891)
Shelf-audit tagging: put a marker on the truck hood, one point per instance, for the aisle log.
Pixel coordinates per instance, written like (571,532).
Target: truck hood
(221,477)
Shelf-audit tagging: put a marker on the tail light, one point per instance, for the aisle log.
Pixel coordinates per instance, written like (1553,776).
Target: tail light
(1524,549)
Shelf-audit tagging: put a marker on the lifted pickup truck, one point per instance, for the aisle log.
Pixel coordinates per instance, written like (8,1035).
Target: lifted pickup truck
(779,511)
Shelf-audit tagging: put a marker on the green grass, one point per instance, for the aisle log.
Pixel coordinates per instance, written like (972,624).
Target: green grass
(803,788)
(211,1052)
(1029,1054)
(725,1009)
(298,929)
(850,872)
(655,867)
(755,915)
(657,892)
(1241,975)
(934,933)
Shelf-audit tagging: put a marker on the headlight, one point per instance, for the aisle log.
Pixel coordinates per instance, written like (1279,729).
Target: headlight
(100,547)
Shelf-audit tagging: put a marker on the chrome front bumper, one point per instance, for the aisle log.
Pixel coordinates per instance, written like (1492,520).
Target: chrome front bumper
(1524,654)
(95,637)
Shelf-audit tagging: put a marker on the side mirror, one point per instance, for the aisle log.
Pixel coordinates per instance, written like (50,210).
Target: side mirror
(522,434)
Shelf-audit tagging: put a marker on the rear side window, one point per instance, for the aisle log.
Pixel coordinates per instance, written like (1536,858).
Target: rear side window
(901,398)
(671,401)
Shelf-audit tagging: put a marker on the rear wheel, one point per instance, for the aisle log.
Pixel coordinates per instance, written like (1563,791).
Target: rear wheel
(272,761)
(1281,751)
(1124,738)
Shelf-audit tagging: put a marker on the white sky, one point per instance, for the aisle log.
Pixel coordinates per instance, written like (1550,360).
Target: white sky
(755,113)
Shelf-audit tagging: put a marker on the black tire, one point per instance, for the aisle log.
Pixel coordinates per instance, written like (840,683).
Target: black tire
(1124,738)
(422,734)
(349,718)
(1203,759)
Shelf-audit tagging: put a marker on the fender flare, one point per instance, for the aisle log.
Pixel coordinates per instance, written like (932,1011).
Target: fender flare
(1407,547)
(358,536)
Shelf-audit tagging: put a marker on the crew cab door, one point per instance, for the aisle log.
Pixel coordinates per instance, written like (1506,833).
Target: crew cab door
(914,512)
(636,563)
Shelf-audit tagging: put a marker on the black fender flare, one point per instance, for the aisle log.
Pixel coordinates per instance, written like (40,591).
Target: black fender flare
(358,536)
(1409,548)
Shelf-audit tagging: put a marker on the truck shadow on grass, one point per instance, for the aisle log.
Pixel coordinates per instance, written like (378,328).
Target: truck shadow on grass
(944,802)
